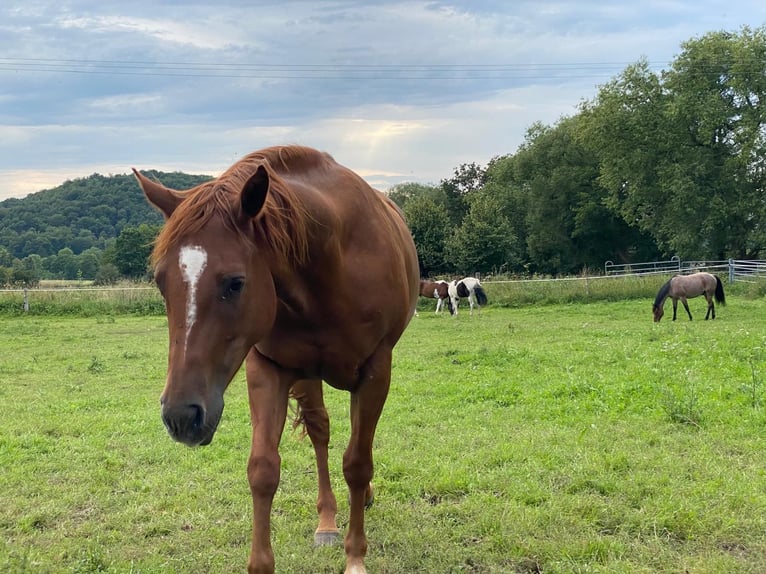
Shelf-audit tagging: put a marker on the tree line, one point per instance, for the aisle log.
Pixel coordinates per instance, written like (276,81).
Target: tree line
(98,228)
(656,164)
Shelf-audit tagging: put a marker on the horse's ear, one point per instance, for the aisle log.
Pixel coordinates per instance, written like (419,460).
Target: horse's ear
(254,192)
(163,198)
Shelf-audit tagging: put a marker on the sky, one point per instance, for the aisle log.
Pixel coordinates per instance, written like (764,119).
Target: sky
(396,91)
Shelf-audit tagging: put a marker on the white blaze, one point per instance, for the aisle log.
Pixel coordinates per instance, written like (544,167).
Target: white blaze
(192,260)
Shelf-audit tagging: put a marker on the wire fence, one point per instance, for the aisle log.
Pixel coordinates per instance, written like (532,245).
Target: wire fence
(143,297)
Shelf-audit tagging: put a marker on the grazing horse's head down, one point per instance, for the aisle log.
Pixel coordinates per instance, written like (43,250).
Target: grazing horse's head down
(469,287)
(438,290)
(264,263)
(689,286)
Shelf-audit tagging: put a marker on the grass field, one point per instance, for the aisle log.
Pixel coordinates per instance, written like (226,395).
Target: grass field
(556,439)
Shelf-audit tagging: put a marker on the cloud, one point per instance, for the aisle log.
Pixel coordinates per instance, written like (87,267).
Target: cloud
(397,90)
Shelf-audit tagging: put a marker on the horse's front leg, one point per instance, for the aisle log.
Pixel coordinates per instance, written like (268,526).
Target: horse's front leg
(686,306)
(313,415)
(366,406)
(675,306)
(267,391)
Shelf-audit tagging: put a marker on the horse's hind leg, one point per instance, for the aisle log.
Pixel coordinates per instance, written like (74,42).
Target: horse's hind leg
(710,307)
(313,414)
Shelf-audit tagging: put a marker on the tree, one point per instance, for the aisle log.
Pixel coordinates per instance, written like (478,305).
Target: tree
(89,263)
(401,193)
(485,241)
(466,179)
(6,260)
(107,274)
(132,250)
(429,224)
(682,153)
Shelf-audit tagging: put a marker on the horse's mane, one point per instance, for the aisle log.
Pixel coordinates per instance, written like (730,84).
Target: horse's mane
(662,294)
(282,225)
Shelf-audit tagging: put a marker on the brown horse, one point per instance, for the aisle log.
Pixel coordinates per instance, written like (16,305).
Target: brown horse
(688,286)
(266,264)
(435,290)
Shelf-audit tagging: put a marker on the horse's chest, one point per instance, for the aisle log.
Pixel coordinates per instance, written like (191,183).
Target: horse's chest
(330,358)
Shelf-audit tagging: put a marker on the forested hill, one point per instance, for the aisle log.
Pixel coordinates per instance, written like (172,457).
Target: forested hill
(81,213)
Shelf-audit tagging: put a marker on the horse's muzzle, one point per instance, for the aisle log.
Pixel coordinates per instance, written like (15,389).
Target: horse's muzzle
(190,424)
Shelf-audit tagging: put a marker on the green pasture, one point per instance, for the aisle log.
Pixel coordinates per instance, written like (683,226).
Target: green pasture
(559,438)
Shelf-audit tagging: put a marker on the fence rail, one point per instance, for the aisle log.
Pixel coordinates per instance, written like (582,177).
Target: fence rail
(743,270)
(736,269)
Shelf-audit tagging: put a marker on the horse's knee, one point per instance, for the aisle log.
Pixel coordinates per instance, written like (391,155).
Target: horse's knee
(357,471)
(263,473)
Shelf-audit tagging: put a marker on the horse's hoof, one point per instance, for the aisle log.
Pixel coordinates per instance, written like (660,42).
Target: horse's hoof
(326,537)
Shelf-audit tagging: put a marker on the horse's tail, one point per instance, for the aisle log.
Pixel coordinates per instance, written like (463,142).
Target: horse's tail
(662,294)
(720,297)
(481,295)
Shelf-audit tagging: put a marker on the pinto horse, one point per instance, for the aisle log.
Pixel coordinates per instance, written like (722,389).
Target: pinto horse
(438,290)
(468,287)
(264,264)
(688,286)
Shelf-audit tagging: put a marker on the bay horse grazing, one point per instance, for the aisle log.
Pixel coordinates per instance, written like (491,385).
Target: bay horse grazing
(467,287)
(438,290)
(265,264)
(688,286)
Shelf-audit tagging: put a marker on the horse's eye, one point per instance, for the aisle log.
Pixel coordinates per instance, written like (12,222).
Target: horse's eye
(232,287)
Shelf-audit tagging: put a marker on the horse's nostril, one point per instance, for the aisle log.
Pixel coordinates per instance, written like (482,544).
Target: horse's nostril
(183,422)
(197,417)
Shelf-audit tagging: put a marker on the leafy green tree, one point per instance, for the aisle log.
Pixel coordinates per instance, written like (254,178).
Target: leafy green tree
(681,153)
(89,263)
(132,250)
(63,265)
(6,276)
(484,242)
(27,271)
(429,224)
(466,179)
(401,193)
(107,274)
(6,259)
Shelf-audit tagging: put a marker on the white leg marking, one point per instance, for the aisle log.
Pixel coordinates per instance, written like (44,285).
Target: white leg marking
(192,261)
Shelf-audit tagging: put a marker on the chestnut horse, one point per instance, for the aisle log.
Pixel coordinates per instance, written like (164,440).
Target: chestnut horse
(688,286)
(265,264)
(435,290)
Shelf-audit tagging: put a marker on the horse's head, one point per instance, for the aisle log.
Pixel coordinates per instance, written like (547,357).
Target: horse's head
(658,311)
(219,295)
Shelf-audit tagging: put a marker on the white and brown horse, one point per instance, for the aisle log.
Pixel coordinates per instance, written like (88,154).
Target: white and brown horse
(685,287)
(469,287)
(265,264)
(438,290)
